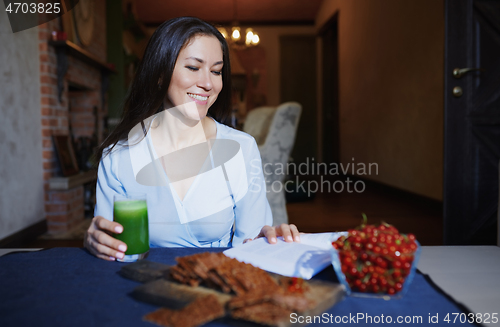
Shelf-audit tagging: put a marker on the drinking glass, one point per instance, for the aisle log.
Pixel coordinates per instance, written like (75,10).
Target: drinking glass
(131,211)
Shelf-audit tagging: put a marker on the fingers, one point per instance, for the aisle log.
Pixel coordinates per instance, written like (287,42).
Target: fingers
(295,232)
(290,233)
(109,241)
(105,239)
(107,225)
(93,247)
(269,233)
(284,230)
(100,243)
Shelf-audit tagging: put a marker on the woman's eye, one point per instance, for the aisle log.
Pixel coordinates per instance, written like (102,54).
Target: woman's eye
(217,72)
(194,69)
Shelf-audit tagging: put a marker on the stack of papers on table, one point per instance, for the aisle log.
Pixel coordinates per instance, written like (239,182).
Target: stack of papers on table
(304,259)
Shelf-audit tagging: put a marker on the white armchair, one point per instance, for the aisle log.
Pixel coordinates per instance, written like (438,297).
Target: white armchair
(274,129)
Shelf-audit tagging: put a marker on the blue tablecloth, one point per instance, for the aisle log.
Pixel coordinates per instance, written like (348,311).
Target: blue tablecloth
(70,287)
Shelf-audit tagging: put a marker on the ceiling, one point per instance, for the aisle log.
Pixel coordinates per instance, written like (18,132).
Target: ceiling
(255,12)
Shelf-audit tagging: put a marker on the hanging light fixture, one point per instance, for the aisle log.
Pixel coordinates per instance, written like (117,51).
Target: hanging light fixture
(235,34)
(235,39)
(251,37)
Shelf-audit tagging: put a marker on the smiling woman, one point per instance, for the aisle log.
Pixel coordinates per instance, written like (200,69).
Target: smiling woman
(154,73)
(197,75)
(173,145)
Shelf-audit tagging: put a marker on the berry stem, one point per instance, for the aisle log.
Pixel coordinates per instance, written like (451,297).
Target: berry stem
(365,219)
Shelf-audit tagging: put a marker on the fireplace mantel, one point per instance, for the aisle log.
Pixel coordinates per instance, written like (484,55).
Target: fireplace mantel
(65,48)
(66,183)
(82,54)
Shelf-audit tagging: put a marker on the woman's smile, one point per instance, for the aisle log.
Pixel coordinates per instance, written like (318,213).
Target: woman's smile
(198,98)
(197,76)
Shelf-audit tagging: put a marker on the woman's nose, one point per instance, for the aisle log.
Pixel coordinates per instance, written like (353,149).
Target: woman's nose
(205,81)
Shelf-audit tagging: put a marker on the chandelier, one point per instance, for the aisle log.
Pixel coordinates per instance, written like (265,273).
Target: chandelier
(235,39)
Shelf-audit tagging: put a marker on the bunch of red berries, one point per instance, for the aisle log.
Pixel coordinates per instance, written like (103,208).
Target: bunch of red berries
(376,259)
(296,285)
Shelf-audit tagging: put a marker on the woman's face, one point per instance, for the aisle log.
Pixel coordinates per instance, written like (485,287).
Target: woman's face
(197,76)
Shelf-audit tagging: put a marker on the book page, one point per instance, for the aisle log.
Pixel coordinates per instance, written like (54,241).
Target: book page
(320,240)
(304,259)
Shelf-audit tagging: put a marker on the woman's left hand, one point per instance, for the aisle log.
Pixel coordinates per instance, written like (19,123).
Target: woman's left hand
(290,233)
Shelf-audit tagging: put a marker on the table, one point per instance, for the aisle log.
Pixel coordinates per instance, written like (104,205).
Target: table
(70,287)
(469,274)
(10,250)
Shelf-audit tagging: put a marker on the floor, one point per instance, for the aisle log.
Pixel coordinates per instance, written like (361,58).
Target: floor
(331,212)
(341,211)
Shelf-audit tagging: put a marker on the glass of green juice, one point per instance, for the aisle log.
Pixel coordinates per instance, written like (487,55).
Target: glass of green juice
(131,211)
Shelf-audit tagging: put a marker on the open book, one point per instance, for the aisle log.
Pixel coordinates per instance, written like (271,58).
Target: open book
(304,259)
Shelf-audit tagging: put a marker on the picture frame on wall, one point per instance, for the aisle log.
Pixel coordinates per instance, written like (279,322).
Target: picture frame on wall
(65,155)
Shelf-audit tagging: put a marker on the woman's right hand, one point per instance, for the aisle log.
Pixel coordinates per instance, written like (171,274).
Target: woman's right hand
(99,241)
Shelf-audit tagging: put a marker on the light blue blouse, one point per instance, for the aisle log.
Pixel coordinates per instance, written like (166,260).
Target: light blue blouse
(229,193)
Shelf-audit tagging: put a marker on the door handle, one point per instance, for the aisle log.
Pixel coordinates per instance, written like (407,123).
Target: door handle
(459,72)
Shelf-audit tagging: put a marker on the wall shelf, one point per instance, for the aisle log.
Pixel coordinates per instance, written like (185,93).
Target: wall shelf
(68,48)
(66,183)
(82,54)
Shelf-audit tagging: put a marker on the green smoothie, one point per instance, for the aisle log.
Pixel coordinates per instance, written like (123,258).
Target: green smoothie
(133,216)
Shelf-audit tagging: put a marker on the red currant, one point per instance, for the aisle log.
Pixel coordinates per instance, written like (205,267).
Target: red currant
(376,258)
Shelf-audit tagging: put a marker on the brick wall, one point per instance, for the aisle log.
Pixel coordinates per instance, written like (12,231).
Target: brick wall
(82,113)
(54,113)
(64,209)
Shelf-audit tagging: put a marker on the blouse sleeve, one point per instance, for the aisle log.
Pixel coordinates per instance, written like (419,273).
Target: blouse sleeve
(108,185)
(252,211)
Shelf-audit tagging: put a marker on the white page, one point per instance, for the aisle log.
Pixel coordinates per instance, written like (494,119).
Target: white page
(304,259)
(320,240)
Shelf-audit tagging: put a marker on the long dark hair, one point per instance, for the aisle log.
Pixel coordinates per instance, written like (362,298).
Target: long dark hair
(146,95)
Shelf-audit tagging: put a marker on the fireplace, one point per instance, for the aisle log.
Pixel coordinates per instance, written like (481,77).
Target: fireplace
(73,82)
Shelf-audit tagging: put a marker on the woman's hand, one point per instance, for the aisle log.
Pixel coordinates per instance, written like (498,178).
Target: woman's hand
(290,233)
(99,242)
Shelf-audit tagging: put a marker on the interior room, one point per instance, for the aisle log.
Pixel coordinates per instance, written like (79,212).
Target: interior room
(237,162)
(364,131)
(369,80)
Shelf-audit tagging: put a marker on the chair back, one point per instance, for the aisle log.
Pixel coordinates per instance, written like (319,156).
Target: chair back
(280,139)
(257,123)
(274,130)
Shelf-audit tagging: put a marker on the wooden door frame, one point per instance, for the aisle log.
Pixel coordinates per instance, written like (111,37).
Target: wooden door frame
(332,21)
(305,141)
(462,138)
(457,36)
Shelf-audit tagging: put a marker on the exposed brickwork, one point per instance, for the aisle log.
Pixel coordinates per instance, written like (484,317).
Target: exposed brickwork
(53,112)
(82,112)
(64,209)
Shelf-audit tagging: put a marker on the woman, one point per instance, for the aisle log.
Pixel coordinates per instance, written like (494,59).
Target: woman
(203,179)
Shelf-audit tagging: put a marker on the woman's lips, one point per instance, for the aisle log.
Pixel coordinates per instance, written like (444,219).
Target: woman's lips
(199,98)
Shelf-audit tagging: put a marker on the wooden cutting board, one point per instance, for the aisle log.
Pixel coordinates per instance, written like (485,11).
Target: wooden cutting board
(160,290)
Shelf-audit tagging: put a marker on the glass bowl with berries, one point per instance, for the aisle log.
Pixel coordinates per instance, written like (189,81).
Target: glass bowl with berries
(375,261)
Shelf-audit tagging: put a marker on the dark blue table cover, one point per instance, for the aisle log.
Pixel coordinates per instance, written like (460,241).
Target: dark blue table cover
(70,287)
